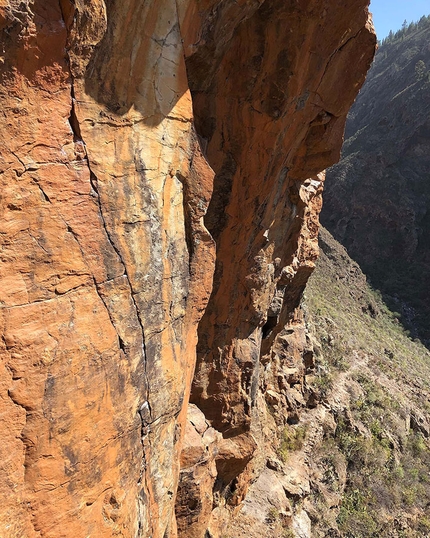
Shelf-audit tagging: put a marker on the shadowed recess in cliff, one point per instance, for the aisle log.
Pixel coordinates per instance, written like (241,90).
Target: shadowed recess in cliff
(267,131)
(132,80)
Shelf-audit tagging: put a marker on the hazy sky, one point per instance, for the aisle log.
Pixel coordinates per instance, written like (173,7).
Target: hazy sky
(390,14)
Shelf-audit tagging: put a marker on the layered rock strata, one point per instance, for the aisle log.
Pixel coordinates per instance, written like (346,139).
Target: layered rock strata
(119,119)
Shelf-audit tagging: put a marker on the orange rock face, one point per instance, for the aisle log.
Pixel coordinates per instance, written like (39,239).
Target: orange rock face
(272,114)
(118,121)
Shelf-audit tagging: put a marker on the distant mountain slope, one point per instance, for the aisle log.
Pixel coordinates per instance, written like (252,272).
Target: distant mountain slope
(377,199)
(351,459)
(366,447)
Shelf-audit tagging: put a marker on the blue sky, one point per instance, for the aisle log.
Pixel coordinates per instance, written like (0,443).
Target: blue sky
(390,14)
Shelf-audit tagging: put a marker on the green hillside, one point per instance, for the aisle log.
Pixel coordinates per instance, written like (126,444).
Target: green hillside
(377,199)
(370,467)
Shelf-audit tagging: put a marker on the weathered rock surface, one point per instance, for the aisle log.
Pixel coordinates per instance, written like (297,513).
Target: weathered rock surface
(268,134)
(119,119)
(106,267)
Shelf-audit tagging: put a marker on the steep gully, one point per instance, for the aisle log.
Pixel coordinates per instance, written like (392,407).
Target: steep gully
(120,118)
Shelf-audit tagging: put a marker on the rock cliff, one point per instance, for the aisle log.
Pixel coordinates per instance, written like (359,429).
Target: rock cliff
(160,162)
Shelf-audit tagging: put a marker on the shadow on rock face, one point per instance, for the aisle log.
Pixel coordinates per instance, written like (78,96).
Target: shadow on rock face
(142,66)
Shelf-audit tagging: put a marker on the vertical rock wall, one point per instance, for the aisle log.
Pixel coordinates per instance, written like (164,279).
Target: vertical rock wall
(271,114)
(106,266)
(114,116)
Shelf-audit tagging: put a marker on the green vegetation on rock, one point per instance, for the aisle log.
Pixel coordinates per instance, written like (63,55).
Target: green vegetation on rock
(292,440)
